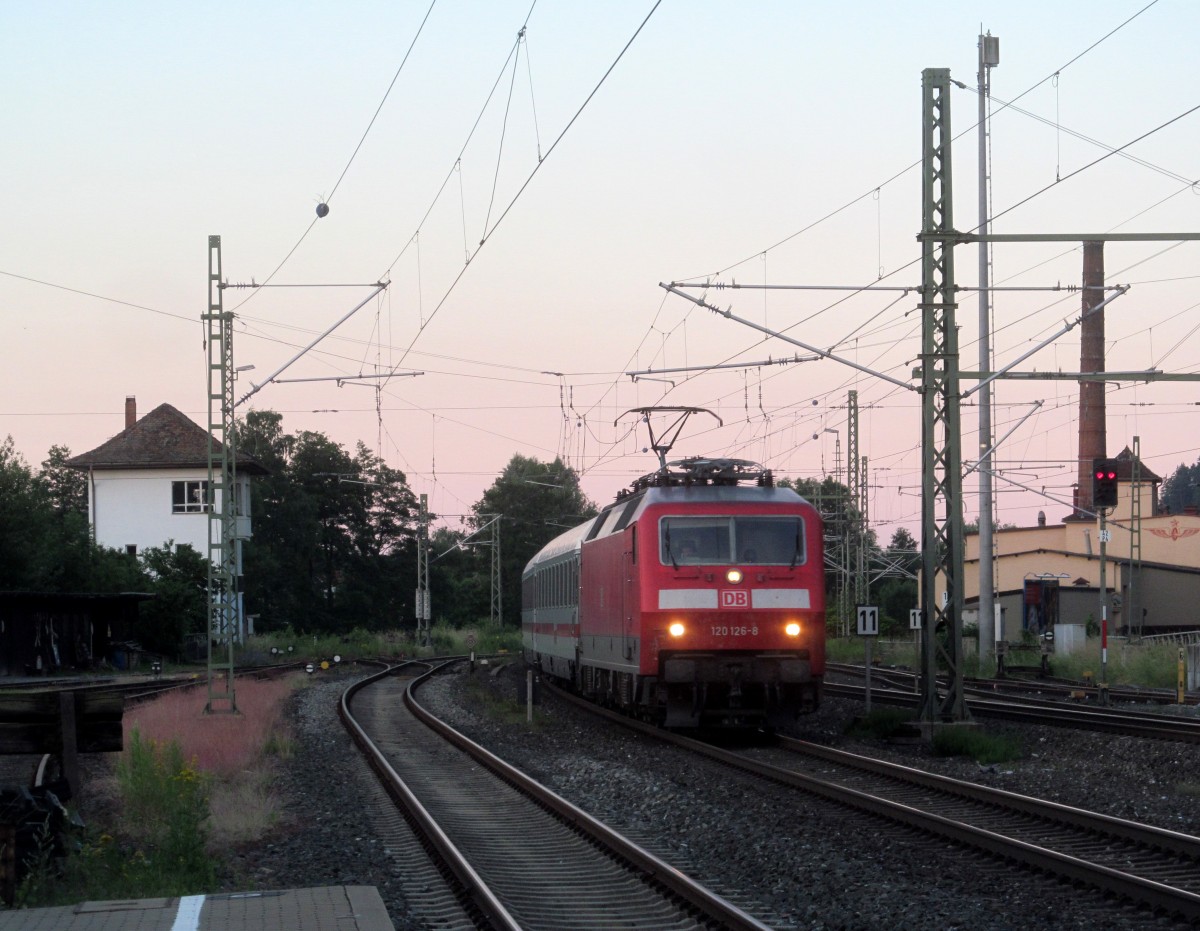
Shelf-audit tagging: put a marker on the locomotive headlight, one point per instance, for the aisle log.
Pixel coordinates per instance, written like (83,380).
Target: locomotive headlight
(792,629)
(733,576)
(676,629)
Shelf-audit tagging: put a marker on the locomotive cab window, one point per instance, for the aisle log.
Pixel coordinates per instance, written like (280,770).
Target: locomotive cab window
(707,541)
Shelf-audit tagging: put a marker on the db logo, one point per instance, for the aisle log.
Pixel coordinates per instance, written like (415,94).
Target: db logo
(735,598)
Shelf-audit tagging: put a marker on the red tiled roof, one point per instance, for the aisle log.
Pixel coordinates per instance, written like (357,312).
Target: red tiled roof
(163,439)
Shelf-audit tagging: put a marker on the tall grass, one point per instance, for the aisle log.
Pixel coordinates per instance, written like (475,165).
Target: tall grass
(1153,665)
(236,750)
(162,851)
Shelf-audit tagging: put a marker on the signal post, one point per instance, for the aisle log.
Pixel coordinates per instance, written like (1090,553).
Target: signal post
(1104,496)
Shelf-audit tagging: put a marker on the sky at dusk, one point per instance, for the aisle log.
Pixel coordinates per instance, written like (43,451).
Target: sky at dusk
(523,203)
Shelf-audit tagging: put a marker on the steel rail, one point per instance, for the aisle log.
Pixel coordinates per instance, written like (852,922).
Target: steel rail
(1136,888)
(661,873)
(469,882)
(1134,724)
(1186,845)
(1040,683)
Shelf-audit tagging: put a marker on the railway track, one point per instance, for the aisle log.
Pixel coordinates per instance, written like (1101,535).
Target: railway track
(1053,714)
(1046,687)
(1156,868)
(514,854)
(1029,710)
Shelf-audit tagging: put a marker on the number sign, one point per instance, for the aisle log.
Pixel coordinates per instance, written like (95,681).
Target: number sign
(914,619)
(868,621)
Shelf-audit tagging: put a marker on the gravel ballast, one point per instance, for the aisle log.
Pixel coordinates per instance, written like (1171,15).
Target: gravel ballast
(792,860)
(811,864)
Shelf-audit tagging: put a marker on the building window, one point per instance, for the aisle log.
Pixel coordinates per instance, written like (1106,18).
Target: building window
(190,497)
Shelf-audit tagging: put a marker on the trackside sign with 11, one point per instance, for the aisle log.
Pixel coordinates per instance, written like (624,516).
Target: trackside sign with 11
(868,621)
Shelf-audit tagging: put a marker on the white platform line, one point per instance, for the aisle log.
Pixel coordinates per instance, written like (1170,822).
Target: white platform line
(187,917)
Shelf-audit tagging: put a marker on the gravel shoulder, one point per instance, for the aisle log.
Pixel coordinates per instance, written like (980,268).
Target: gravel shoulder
(793,861)
(801,862)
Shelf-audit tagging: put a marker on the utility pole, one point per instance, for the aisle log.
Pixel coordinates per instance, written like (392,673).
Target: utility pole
(941,436)
(989,57)
(497,613)
(220,504)
(1102,690)
(1133,604)
(855,529)
(424,607)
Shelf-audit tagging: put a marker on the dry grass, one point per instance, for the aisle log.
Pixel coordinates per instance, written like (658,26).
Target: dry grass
(242,810)
(239,752)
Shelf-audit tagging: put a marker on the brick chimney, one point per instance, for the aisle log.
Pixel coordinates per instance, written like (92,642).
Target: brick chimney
(1091,393)
(130,411)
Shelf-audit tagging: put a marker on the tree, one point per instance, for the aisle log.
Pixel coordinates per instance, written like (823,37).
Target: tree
(177,576)
(66,487)
(896,594)
(535,502)
(1180,489)
(333,544)
(26,544)
(459,578)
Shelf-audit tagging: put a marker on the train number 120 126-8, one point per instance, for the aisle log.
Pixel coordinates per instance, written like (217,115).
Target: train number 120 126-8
(750,630)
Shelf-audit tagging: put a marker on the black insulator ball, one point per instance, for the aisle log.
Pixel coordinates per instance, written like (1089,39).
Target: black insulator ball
(322,210)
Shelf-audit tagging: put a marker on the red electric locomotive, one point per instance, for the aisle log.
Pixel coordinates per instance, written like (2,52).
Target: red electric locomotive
(695,600)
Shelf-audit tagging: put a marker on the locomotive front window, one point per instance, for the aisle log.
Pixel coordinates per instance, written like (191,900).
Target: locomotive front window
(707,541)
(769,541)
(696,541)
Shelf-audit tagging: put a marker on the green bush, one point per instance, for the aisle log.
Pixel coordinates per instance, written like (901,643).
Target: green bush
(166,805)
(165,810)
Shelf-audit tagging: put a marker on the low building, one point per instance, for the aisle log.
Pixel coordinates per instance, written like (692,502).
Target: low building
(1060,564)
(148,485)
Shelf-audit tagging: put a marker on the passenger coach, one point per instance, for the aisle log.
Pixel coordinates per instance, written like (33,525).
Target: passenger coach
(695,600)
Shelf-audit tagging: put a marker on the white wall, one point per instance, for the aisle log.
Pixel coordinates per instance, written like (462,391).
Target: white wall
(134,506)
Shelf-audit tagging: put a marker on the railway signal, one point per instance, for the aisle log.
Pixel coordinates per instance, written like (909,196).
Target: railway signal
(1104,483)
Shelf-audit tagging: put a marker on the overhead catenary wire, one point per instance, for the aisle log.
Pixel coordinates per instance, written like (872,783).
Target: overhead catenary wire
(354,154)
(520,191)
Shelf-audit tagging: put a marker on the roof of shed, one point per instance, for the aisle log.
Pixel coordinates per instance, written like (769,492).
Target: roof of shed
(165,438)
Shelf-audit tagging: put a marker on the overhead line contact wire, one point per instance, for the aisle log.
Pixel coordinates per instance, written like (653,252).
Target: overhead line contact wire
(488,232)
(1025,200)
(338,183)
(1097,161)
(456,167)
(878,187)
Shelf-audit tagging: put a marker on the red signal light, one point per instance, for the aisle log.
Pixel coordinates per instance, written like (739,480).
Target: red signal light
(1104,483)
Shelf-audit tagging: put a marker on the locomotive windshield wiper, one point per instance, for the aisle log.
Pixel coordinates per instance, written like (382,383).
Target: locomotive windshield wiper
(667,540)
(796,551)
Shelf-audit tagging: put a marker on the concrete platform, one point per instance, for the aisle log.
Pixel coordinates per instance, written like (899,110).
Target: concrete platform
(324,908)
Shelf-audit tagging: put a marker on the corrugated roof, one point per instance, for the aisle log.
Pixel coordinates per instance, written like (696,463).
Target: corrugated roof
(165,438)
